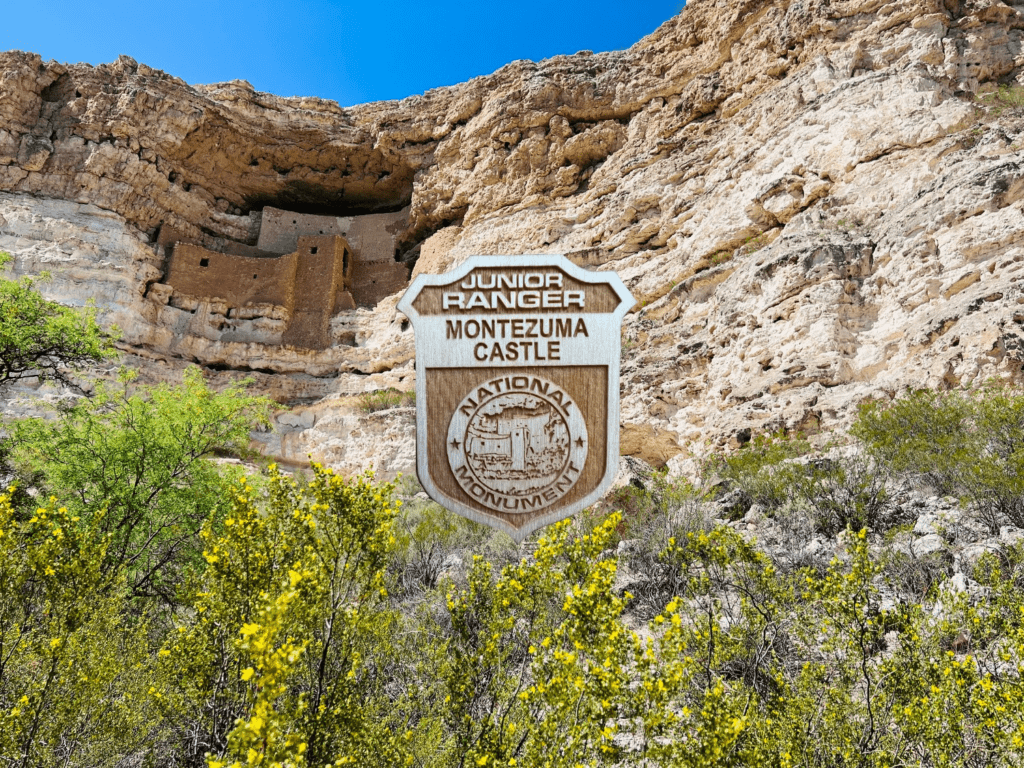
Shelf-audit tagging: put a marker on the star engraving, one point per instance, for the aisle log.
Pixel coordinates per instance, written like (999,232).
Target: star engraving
(579,442)
(455,443)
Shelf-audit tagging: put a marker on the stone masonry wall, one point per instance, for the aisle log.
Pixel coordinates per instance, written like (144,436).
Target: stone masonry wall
(321,263)
(310,283)
(239,280)
(372,236)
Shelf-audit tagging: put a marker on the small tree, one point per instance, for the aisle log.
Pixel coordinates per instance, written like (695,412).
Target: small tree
(41,338)
(141,460)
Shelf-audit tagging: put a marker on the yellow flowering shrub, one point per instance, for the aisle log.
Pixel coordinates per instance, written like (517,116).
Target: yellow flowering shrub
(279,658)
(286,645)
(524,667)
(72,664)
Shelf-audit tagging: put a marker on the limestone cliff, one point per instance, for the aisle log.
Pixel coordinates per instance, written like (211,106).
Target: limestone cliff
(814,200)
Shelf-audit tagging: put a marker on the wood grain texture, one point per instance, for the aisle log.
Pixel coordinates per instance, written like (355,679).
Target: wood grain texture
(588,387)
(517,387)
(598,297)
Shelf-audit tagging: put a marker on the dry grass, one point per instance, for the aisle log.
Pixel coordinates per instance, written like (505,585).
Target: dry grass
(386,399)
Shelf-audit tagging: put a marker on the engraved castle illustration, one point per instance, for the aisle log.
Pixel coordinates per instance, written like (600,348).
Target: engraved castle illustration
(518,437)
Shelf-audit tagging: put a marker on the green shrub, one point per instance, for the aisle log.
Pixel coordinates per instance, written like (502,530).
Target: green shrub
(834,490)
(965,443)
(761,468)
(669,508)
(1007,96)
(139,464)
(427,537)
(650,506)
(842,491)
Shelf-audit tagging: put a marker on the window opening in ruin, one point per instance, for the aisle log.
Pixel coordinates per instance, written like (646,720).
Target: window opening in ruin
(204,262)
(313,249)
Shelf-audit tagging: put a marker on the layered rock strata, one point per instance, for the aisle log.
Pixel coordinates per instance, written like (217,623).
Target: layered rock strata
(816,203)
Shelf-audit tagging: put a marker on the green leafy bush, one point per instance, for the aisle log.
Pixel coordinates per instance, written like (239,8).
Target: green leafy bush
(761,470)
(138,464)
(429,537)
(526,666)
(836,488)
(970,444)
(840,491)
(42,338)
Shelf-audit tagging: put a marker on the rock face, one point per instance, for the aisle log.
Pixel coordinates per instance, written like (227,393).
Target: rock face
(815,202)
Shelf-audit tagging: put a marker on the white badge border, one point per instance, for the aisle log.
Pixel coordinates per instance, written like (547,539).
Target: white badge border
(613,361)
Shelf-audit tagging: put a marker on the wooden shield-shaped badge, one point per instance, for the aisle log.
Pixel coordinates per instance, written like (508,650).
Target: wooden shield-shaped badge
(517,387)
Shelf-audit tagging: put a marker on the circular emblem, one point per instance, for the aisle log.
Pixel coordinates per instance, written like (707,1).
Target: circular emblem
(517,443)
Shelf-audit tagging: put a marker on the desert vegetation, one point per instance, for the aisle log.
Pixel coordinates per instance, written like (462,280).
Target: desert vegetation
(385,399)
(161,603)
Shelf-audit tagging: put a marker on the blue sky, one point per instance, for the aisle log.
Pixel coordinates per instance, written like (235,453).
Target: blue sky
(349,51)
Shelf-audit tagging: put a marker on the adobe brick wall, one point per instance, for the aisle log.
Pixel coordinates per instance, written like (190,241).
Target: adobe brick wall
(239,280)
(372,282)
(319,276)
(321,272)
(371,237)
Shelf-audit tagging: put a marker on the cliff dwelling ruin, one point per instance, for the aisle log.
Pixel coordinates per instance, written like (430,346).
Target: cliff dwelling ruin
(303,270)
